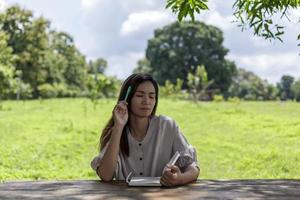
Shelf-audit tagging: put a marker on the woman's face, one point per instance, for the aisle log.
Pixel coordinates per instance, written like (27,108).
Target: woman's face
(143,100)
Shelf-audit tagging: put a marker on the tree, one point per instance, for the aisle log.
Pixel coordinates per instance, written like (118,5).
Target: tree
(7,71)
(143,66)
(29,41)
(75,69)
(198,84)
(285,87)
(258,15)
(178,47)
(247,85)
(296,90)
(98,66)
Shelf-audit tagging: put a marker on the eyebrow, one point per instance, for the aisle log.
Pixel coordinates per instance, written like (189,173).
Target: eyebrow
(145,92)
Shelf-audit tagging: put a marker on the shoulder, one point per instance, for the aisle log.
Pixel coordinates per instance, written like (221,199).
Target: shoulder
(164,121)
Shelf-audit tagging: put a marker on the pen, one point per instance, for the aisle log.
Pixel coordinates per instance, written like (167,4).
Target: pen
(127,93)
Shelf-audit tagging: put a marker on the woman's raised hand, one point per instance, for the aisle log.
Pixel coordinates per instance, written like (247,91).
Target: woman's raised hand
(120,114)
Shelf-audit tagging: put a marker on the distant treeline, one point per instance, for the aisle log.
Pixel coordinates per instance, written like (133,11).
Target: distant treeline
(37,61)
(186,58)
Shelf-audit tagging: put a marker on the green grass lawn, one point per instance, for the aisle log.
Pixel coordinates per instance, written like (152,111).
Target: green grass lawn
(57,138)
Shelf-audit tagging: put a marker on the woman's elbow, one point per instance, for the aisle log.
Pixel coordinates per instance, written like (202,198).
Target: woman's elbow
(105,179)
(104,176)
(195,170)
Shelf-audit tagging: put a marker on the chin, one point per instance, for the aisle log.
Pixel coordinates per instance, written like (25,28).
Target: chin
(143,115)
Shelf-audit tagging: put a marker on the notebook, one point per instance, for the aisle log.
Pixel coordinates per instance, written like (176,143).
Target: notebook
(149,181)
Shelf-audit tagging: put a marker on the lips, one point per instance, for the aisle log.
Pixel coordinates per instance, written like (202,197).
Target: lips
(145,109)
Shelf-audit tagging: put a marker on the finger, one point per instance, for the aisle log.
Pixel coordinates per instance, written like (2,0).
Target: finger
(165,182)
(123,103)
(169,181)
(120,107)
(170,177)
(174,168)
(167,169)
(124,112)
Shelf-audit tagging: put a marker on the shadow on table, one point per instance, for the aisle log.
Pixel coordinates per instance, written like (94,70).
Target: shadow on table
(208,189)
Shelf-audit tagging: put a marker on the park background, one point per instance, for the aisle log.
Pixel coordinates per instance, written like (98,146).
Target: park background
(234,95)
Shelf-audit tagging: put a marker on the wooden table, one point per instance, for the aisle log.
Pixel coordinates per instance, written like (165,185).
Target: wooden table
(202,189)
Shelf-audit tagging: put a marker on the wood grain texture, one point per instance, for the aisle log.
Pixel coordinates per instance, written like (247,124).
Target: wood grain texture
(202,189)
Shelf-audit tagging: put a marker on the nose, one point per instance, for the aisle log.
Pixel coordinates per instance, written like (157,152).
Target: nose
(146,100)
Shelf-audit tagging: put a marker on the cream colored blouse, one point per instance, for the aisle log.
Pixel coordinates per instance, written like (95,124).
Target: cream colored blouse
(150,156)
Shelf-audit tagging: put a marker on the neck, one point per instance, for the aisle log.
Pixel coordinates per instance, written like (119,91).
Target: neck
(138,126)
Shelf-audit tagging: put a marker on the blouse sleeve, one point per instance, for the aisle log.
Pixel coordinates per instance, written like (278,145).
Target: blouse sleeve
(188,155)
(97,160)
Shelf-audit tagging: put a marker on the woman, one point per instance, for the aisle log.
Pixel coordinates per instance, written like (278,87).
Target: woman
(136,140)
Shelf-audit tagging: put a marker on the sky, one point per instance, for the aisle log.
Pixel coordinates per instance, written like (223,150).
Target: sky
(118,31)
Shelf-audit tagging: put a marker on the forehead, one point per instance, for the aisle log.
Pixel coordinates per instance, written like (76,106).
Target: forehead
(146,86)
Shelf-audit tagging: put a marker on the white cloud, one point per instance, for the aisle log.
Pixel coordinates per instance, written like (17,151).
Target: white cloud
(260,42)
(123,65)
(223,22)
(141,21)
(270,66)
(88,4)
(295,16)
(3,5)
(138,5)
(214,17)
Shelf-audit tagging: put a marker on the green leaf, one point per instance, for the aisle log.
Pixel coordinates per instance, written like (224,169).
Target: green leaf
(279,33)
(192,4)
(191,13)
(279,39)
(258,28)
(269,21)
(201,5)
(254,23)
(183,10)
(170,3)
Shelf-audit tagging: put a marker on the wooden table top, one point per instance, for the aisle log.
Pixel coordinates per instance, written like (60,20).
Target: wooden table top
(202,189)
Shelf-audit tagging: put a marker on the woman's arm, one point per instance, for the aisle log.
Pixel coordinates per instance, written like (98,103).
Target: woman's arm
(108,163)
(109,160)
(190,174)
(172,175)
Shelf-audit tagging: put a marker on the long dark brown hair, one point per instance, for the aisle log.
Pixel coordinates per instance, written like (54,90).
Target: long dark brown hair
(133,81)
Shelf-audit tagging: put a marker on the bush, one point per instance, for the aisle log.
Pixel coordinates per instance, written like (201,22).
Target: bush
(296,90)
(218,98)
(234,100)
(23,91)
(100,86)
(250,97)
(74,92)
(61,89)
(47,91)
(172,90)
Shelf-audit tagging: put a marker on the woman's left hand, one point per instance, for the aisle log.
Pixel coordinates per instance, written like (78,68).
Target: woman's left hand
(171,176)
